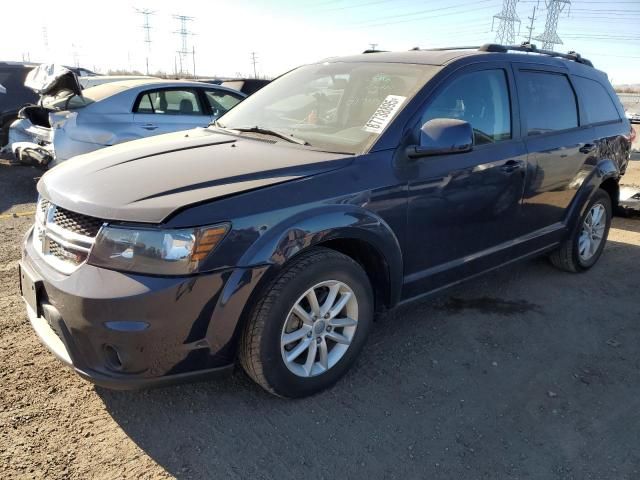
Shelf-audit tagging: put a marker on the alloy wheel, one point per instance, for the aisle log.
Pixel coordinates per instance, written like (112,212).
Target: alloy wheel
(319,328)
(592,233)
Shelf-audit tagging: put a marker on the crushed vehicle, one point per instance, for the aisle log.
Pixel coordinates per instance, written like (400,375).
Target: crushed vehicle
(343,188)
(70,121)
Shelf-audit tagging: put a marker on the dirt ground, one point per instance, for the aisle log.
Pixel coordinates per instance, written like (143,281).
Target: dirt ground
(525,373)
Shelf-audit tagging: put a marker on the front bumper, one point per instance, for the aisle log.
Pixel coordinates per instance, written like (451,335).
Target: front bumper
(126,331)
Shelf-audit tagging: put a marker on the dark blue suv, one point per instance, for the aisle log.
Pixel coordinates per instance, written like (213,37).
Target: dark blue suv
(341,189)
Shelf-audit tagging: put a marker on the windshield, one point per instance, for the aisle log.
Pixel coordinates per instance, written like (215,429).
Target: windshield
(332,106)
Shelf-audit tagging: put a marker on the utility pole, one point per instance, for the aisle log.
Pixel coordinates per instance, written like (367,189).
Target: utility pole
(506,32)
(146,27)
(550,37)
(254,60)
(184,34)
(193,57)
(530,28)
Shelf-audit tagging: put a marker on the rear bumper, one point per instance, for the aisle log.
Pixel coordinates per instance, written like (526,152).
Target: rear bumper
(126,331)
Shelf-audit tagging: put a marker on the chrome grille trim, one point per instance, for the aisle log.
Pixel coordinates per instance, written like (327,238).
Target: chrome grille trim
(61,237)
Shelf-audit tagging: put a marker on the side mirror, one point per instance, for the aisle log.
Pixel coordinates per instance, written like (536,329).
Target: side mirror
(442,136)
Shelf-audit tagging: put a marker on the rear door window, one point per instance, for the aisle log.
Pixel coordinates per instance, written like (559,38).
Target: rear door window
(480,98)
(598,105)
(170,102)
(548,102)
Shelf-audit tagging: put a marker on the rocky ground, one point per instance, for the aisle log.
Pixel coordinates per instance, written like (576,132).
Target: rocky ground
(524,373)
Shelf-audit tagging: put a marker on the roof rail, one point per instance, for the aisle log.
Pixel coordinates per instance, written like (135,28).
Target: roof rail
(374,51)
(524,47)
(530,48)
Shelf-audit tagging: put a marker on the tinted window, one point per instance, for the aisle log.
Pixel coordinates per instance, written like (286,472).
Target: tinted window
(548,102)
(596,100)
(221,102)
(480,98)
(170,102)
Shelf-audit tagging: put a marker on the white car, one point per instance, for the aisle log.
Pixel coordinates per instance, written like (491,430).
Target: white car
(70,121)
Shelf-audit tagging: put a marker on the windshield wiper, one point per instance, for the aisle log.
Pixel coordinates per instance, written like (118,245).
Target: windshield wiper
(267,131)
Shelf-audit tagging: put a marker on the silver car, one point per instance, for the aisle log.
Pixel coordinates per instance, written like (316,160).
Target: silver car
(70,121)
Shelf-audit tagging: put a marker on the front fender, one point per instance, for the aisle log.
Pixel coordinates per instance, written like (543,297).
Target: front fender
(265,258)
(312,227)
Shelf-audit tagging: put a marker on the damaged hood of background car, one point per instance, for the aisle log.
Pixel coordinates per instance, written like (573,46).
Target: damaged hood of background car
(146,180)
(49,80)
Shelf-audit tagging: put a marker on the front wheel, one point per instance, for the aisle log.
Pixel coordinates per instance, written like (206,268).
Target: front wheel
(310,325)
(584,246)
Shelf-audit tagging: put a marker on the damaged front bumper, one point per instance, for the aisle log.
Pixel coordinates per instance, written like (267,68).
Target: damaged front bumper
(33,154)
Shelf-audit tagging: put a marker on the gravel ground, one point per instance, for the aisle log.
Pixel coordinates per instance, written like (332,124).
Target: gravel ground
(524,373)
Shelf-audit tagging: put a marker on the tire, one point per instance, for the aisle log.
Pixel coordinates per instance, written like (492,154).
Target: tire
(568,256)
(263,348)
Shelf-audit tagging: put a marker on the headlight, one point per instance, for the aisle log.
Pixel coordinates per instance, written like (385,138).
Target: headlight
(155,251)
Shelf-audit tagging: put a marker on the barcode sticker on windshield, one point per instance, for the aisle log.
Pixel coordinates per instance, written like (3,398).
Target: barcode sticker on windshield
(384,114)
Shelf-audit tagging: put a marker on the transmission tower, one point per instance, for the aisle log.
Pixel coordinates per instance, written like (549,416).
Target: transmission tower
(184,34)
(506,32)
(146,27)
(550,37)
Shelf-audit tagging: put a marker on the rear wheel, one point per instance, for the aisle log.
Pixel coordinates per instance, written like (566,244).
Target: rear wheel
(309,327)
(583,248)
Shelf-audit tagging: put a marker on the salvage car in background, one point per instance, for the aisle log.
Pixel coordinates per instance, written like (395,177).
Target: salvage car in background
(12,76)
(70,121)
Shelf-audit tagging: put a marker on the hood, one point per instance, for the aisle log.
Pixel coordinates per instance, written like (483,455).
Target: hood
(147,180)
(50,79)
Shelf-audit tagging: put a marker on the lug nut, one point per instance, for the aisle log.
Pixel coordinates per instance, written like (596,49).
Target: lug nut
(318,340)
(309,334)
(328,328)
(326,315)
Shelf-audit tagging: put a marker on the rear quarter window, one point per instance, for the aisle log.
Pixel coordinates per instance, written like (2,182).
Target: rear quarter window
(597,102)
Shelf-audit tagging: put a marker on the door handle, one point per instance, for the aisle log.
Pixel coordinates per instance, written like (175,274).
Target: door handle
(149,126)
(511,166)
(587,148)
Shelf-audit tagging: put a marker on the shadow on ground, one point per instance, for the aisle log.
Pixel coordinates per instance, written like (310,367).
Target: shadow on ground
(524,373)
(17,186)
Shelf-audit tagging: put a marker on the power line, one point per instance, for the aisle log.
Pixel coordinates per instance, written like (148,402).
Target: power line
(506,32)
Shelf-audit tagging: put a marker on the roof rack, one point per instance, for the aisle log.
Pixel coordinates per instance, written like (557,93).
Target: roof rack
(524,47)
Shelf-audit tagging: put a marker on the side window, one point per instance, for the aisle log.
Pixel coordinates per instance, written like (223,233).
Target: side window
(480,98)
(221,102)
(548,102)
(170,102)
(596,100)
(145,105)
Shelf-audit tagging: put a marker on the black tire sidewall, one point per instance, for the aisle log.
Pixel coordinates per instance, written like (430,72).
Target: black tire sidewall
(332,267)
(599,197)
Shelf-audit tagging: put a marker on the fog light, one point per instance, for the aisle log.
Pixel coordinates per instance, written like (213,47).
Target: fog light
(114,362)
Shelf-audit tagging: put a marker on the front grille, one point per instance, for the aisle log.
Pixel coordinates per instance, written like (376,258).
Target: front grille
(64,238)
(44,206)
(76,222)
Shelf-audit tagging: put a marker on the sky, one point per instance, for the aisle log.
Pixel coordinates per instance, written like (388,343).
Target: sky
(287,33)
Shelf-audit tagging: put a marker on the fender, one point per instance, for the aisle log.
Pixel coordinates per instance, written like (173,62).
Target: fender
(604,170)
(266,257)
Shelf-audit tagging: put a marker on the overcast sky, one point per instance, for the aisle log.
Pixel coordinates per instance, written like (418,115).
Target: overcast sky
(287,33)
